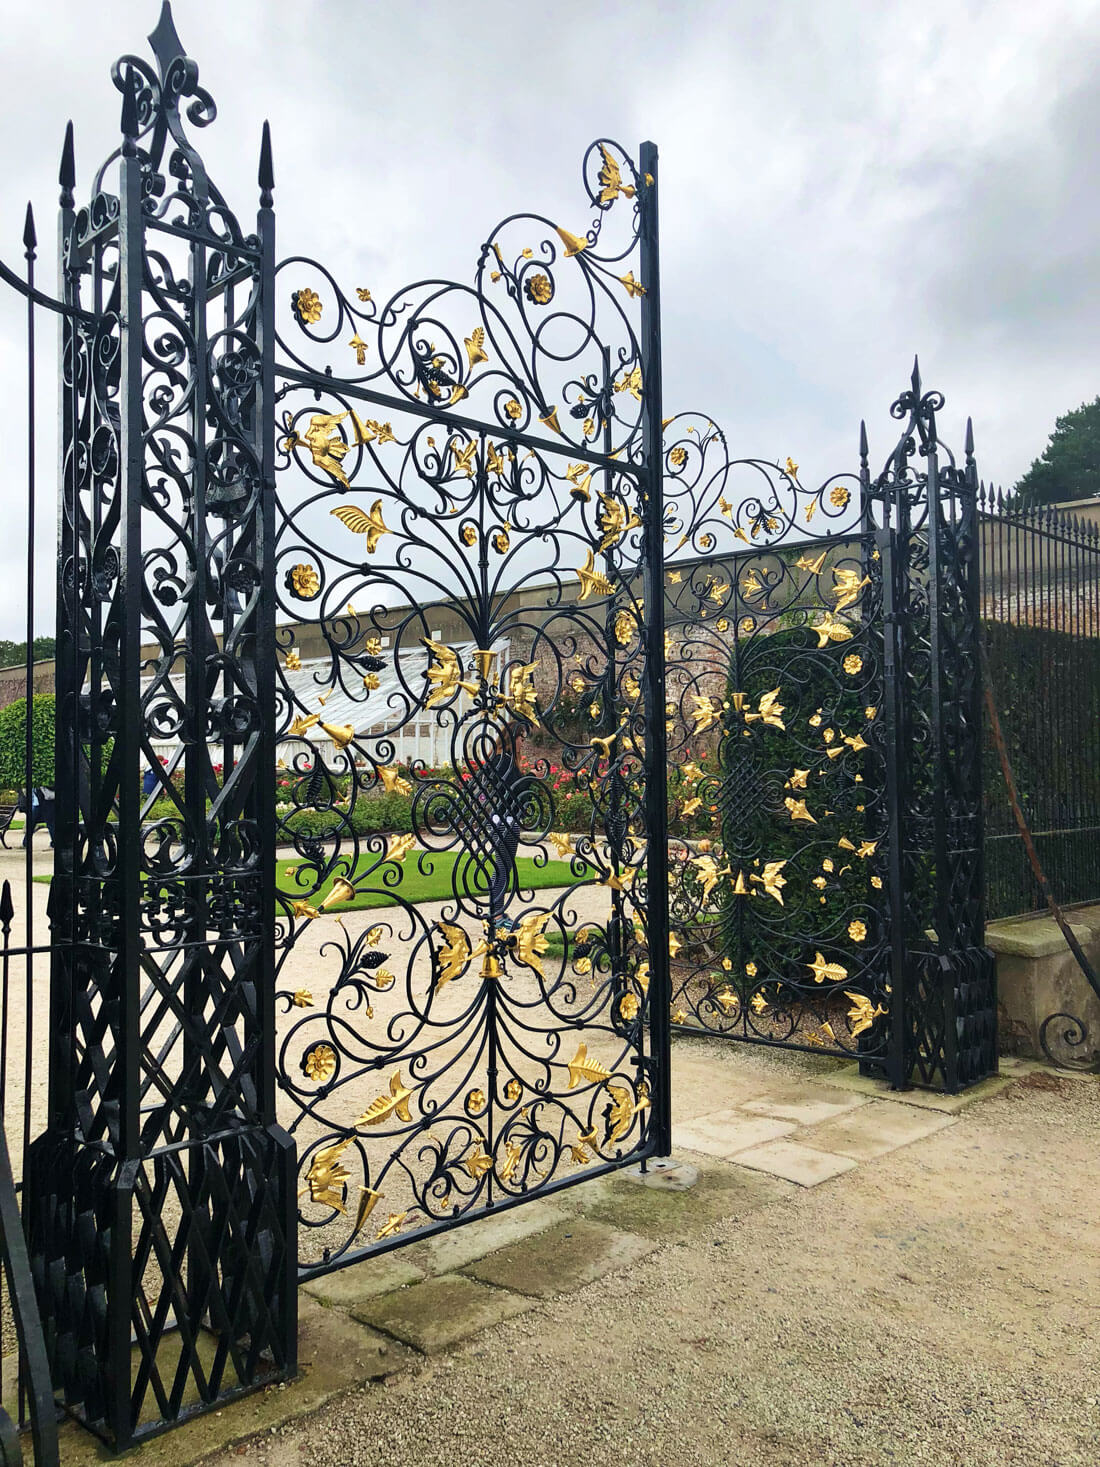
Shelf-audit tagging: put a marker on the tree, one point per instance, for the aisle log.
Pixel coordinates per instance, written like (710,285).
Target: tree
(1069,466)
(13,735)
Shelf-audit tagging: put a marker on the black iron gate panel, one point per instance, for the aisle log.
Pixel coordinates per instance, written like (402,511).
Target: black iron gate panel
(465,540)
(778,791)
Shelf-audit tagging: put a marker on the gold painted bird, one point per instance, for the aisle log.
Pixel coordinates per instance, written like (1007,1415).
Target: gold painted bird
(848,586)
(826,972)
(708,872)
(531,942)
(445,673)
(706,712)
(521,692)
(862,1014)
(453,956)
(771,880)
(770,710)
(361,523)
(475,346)
(610,179)
(830,630)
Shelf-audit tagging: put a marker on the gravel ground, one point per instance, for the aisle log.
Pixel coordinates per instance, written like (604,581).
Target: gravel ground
(938,1306)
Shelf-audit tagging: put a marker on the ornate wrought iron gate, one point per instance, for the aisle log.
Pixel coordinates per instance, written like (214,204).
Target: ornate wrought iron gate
(243,1053)
(825,736)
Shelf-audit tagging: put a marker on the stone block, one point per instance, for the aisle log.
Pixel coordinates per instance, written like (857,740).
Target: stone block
(795,1163)
(437,1313)
(724,1133)
(562,1260)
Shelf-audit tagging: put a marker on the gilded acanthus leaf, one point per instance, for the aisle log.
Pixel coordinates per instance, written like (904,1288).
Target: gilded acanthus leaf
(360,522)
(465,456)
(563,843)
(620,1113)
(399,847)
(477,1162)
(585,1067)
(386,1105)
(829,629)
(797,810)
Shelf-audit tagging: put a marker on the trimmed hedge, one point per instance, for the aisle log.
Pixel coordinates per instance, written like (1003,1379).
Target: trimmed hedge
(13,738)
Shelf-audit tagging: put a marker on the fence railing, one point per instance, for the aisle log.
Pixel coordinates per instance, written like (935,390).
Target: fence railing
(1041,620)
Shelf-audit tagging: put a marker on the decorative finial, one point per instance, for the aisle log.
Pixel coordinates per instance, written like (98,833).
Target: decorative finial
(66,175)
(30,238)
(915,379)
(970,437)
(129,122)
(863,448)
(165,41)
(267,171)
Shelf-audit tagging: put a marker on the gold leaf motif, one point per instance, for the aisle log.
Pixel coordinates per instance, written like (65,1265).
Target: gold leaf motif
(477,1162)
(360,348)
(826,972)
(798,779)
(511,1160)
(359,523)
(308,307)
(691,806)
(302,999)
(633,287)
(327,1178)
(585,1067)
(632,383)
(392,1225)
(563,843)
(876,882)
(393,782)
(728,1000)
(593,582)
(813,566)
(797,810)
(679,1016)
(758,1003)
(363,293)
(792,468)
(303,722)
(475,347)
(674,944)
(396,1102)
(464,457)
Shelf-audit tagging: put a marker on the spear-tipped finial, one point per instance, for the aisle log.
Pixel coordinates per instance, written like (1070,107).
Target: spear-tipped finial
(129,123)
(267,170)
(30,237)
(863,448)
(915,379)
(165,41)
(66,174)
(969,438)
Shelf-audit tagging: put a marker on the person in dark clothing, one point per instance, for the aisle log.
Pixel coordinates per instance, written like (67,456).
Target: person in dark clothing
(149,781)
(41,808)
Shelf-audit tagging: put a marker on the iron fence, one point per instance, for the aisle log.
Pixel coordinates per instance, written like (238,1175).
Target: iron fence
(1040,611)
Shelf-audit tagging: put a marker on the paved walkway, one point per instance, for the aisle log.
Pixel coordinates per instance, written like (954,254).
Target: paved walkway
(854,1278)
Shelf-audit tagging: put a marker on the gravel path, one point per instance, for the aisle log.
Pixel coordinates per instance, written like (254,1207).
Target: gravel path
(938,1306)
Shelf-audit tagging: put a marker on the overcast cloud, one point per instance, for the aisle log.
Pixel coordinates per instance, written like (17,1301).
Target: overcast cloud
(843,184)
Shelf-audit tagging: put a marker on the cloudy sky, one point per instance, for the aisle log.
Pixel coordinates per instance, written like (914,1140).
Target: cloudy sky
(842,183)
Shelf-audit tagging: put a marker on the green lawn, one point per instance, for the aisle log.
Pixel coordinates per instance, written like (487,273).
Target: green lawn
(428,886)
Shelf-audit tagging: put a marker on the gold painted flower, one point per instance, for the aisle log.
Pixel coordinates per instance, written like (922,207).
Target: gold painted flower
(363,293)
(370,682)
(476,1101)
(513,408)
(857,931)
(839,496)
(304,582)
(501,542)
(750,969)
(628,1006)
(853,663)
(319,1062)
(468,534)
(293,660)
(876,882)
(678,457)
(307,303)
(538,289)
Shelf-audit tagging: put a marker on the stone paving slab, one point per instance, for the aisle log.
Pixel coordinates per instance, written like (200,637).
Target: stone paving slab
(437,1313)
(851,1079)
(562,1260)
(874,1130)
(723,1192)
(358,1281)
(449,1252)
(806,1105)
(795,1163)
(723,1133)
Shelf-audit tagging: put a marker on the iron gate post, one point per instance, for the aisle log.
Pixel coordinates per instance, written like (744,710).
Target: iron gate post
(657,919)
(160,1199)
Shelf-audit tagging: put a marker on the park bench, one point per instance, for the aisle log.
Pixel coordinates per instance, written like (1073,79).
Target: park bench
(7,815)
